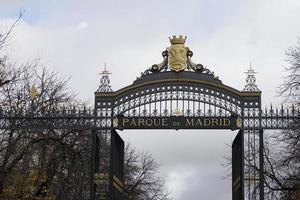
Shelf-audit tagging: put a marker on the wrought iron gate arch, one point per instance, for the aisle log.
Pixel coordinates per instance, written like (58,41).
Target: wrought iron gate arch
(175,93)
(163,89)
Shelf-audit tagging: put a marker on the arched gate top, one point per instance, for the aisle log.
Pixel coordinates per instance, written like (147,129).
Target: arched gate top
(178,78)
(183,78)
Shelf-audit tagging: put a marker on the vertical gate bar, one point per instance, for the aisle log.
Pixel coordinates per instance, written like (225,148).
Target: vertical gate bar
(92,177)
(183,101)
(243,150)
(111,167)
(160,102)
(204,111)
(166,104)
(155,102)
(177,97)
(255,164)
(94,163)
(194,104)
(199,105)
(139,104)
(144,112)
(171,104)
(248,166)
(261,165)
(189,101)
(150,105)
(215,108)
(243,164)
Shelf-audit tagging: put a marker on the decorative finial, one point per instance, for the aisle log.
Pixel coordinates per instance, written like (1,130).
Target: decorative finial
(251,85)
(32,92)
(177,40)
(104,81)
(105,71)
(250,71)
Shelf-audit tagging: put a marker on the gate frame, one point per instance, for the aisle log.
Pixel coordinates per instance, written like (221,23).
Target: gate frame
(152,88)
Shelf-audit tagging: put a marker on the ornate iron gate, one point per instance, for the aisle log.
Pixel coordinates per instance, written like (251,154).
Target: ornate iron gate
(174,94)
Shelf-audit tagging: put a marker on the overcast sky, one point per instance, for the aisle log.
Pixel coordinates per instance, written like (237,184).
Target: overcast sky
(76,37)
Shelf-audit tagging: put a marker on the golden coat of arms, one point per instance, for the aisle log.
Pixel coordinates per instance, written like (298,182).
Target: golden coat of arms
(177,54)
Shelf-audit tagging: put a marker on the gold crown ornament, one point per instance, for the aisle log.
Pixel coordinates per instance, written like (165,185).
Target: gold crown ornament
(177,40)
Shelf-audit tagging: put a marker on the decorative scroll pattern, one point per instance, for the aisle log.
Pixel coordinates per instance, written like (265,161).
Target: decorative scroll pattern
(191,66)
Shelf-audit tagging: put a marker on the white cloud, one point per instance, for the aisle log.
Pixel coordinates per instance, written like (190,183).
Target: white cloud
(82,25)
(177,182)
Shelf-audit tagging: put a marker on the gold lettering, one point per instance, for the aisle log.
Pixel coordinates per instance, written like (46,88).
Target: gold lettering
(215,122)
(176,123)
(141,122)
(199,122)
(226,122)
(207,122)
(164,122)
(156,122)
(125,121)
(189,122)
(149,122)
(221,121)
(132,123)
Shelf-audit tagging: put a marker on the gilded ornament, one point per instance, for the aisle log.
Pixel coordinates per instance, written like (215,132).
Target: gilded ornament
(33,92)
(177,54)
(239,122)
(115,122)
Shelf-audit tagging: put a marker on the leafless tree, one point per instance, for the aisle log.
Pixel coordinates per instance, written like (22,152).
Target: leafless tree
(53,162)
(282,154)
(5,36)
(142,180)
(291,85)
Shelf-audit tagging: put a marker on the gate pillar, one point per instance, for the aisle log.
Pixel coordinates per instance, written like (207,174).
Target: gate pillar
(116,179)
(238,167)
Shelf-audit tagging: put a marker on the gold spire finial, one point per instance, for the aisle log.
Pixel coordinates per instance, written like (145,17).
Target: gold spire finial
(33,92)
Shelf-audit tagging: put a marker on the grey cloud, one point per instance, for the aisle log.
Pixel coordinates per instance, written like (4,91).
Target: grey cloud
(130,38)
